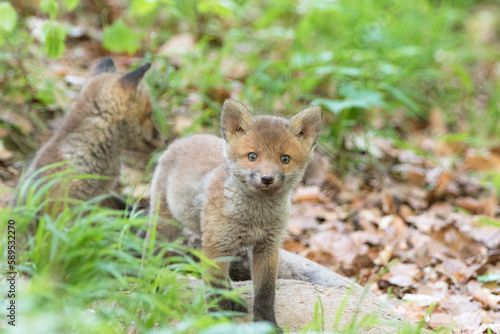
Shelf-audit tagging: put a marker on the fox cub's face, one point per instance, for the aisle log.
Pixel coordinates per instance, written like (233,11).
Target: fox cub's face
(123,101)
(266,153)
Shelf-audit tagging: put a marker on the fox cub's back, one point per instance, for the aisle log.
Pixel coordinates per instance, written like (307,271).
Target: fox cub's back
(112,113)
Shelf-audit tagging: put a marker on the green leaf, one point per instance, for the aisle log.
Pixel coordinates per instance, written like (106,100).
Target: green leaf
(8,17)
(401,96)
(50,7)
(120,38)
(364,96)
(363,99)
(222,8)
(337,106)
(491,277)
(71,4)
(53,35)
(455,137)
(143,7)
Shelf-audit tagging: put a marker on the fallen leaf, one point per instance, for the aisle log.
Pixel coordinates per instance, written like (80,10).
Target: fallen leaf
(309,194)
(388,205)
(469,320)
(401,280)
(293,246)
(486,297)
(405,211)
(439,184)
(412,311)
(490,205)
(420,300)
(475,160)
(441,209)
(427,222)
(441,320)
(470,204)
(458,270)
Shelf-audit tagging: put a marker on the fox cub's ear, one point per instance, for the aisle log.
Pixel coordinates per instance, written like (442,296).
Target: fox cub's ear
(132,79)
(235,119)
(106,64)
(306,125)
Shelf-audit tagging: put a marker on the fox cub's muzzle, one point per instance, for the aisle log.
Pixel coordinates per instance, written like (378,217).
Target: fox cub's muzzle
(267,179)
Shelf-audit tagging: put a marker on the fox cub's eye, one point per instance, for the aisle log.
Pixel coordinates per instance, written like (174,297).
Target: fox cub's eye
(285,159)
(252,156)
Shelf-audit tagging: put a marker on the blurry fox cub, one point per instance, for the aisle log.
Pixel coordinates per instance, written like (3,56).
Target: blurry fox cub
(111,114)
(235,192)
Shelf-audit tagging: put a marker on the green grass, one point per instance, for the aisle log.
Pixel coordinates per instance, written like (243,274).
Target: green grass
(84,270)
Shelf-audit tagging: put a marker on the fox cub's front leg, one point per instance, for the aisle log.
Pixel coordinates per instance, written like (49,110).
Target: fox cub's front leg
(264,269)
(218,277)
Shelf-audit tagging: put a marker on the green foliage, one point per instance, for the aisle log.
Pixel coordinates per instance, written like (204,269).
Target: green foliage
(490,277)
(50,7)
(8,17)
(143,8)
(71,4)
(363,99)
(121,38)
(217,7)
(53,36)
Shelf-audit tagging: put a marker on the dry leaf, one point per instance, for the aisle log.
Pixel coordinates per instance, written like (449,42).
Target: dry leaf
(427,222)
(309,194)
(420,300)
(293,246)
(470,204)
(490,205)
(469,320)
(441,209)
(486,297)
(388,205)
(405,211)
(475,160)
(441,320)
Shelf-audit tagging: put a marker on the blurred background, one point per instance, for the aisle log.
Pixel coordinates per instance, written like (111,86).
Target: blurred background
(408,163)
(392,68)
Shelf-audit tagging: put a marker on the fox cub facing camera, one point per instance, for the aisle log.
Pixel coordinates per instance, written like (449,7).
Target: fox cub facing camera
(111,114)
(235,192)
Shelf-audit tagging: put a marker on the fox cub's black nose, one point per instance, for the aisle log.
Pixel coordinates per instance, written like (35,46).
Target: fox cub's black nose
(267,179)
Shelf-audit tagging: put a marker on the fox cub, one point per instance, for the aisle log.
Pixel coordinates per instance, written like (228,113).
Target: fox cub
(111,114)
(235,192)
